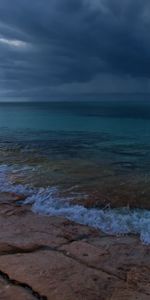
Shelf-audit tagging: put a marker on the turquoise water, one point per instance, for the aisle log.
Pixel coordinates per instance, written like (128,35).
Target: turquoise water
(112,117)
(110,131)
(86,155)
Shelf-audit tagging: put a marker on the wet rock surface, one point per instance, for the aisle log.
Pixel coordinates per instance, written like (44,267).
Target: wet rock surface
(50,258)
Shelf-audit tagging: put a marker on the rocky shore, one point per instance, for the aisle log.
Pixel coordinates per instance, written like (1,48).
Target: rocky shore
(50,258)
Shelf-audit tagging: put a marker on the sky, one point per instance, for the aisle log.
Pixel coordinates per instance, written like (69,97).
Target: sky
(73,49)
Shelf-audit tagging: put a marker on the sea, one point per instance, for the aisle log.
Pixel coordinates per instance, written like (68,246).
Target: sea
(86,161)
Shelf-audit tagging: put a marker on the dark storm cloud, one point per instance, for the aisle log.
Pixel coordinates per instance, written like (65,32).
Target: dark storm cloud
(73,47)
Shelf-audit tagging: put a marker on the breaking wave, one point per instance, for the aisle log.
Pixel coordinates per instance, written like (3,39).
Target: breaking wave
(47,201)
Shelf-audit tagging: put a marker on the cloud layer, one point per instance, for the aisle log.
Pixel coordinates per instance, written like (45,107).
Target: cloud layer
(72,48)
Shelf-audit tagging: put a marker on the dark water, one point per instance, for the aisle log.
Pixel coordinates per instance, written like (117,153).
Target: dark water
(94,153)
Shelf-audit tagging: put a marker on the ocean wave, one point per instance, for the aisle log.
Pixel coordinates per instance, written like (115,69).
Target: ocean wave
(47,201)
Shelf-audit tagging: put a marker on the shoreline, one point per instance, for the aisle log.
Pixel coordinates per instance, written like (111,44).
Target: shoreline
(43,257)
(54,202)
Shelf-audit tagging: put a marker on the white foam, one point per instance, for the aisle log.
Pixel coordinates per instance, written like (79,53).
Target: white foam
(110,221)
(6,185)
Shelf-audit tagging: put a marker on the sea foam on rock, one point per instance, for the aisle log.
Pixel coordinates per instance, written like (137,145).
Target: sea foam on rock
(47,201)
(53,258)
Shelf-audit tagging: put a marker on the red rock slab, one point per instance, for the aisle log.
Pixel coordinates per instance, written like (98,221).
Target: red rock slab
(10,292)
(111,254)
(128,294)
(56,276)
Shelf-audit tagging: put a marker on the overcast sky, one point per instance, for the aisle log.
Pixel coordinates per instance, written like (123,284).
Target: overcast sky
(73,49)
